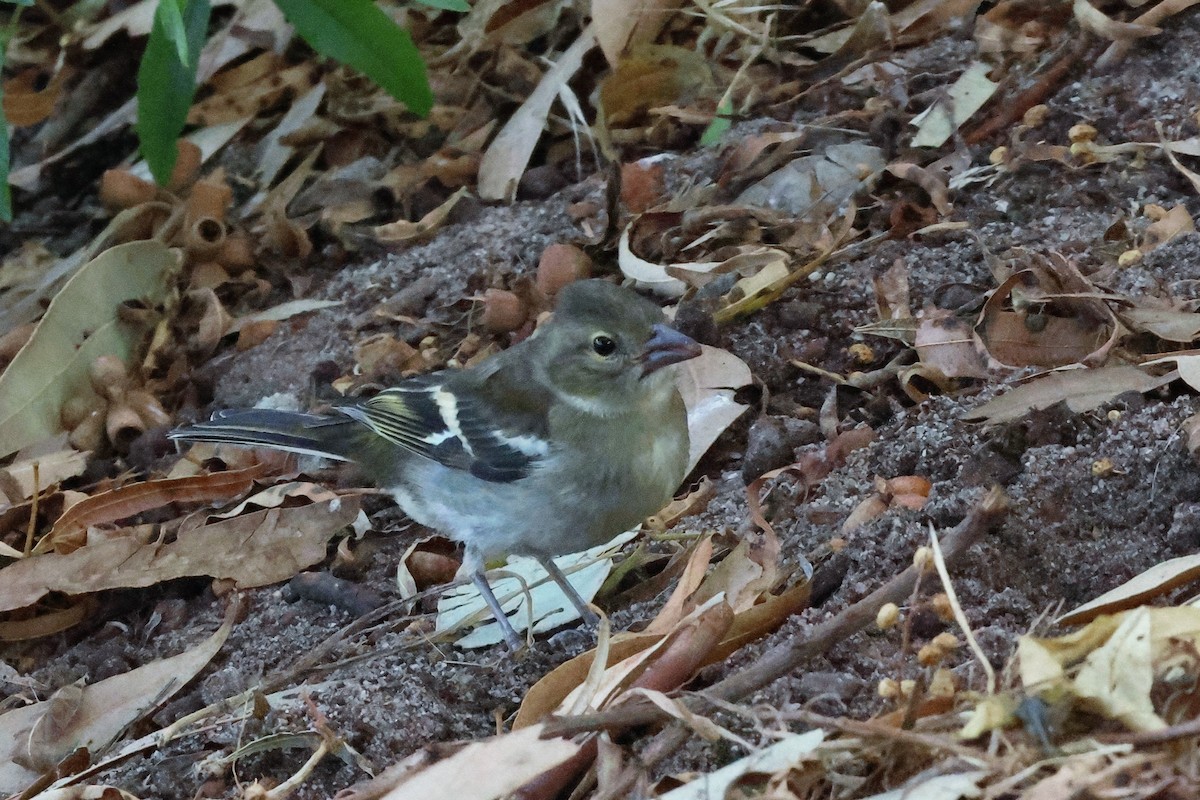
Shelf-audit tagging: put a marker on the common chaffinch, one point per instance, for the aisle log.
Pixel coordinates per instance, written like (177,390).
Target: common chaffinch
(553,446)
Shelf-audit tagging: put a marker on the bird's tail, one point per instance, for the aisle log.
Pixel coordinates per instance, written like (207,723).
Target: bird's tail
(308,434)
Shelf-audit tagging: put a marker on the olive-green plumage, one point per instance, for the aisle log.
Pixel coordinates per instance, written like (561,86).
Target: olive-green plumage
(550,447)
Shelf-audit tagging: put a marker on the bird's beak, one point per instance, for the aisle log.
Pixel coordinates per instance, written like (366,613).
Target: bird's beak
(667,346)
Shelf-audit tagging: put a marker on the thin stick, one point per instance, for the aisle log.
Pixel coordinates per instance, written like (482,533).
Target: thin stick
(788,656)
(939,562)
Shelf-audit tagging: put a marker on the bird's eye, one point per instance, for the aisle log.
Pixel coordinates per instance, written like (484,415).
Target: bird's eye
(604,345)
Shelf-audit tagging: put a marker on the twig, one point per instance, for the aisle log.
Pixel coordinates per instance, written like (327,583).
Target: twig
(939,561)
(1014,109)
(1183,730)
(786,657)
(878,730)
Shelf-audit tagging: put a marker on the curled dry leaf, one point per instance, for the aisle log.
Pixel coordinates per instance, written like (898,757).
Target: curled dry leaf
(1056,324)
(708,384)
(137,498)
(1095,21)
(691,503)
(655,277)
(403,231)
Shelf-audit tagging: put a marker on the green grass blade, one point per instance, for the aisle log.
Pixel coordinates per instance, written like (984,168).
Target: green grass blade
(167,84)
(357,33)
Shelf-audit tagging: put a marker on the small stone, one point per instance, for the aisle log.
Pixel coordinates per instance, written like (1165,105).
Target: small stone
(540,182)
(766,448)
(799,314)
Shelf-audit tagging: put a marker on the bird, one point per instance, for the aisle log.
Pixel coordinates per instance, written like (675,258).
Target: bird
(549,447)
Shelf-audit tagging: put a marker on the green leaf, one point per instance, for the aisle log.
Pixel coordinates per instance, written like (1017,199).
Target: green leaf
(166,84)
(81,324)
(171,14)
(357,33)
(721,123)
(447,5)
(6,211)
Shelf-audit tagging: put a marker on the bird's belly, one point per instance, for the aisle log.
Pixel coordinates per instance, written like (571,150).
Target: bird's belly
(545,513)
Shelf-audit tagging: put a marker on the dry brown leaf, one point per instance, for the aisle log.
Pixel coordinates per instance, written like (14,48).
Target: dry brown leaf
(1187,365)
(944,342)
(549,692)
(26,104)
(105,710)
(48,623)
(933,183)
(656,277)
(265,84)
(691,503)
(486,769)
(673,611)
(655,77)
(17,480)
(1065,327)
(622,24)
(1165,323)
(507,156)
(1177,222)
(402,231)
(252,550)
(126,501)
(708,384)
(1081,389)
(1154,582)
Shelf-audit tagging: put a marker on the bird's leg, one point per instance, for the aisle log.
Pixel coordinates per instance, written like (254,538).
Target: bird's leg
(580,604)
(515,642)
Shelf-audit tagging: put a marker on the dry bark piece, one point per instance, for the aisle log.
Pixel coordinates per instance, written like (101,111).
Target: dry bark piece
(643,185)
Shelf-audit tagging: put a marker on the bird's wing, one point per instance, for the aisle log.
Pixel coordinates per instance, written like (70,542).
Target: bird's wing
(489,422)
